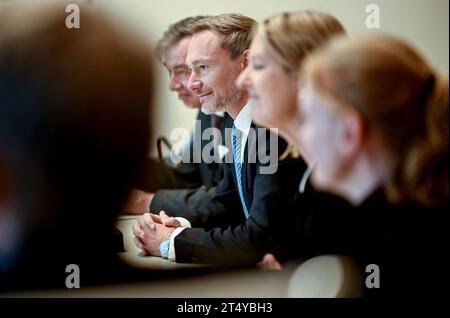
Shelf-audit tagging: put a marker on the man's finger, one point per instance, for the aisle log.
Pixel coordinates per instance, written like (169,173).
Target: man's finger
(169,220)
(141,222)
(148,221)
(137,230)
(164,217)
(156,218)
(139,244)
(166,220)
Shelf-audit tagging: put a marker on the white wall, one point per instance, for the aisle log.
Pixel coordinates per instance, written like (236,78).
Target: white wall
(423,22)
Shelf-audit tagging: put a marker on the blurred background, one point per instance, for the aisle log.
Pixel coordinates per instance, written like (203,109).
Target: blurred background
(423,23)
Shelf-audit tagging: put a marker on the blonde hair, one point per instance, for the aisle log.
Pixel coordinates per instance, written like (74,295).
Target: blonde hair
(235,29)
(291,36)
(174,34)
(401,99)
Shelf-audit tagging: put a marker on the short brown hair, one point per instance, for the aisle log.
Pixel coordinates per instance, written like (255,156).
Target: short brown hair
(235,28)
(174,34)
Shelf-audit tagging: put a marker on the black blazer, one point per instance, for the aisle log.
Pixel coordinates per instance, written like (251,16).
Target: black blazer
(187,184)
(223,234)
(402,239)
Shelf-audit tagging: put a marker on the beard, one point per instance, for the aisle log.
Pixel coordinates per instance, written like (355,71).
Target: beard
(220,103)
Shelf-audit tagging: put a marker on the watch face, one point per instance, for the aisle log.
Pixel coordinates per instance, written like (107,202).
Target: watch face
(164,249)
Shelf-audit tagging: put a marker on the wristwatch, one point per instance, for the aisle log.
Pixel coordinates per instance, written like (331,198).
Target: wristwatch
(164,246)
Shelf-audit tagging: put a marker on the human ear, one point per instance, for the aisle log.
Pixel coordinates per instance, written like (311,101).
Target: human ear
(350,133)
(244,58)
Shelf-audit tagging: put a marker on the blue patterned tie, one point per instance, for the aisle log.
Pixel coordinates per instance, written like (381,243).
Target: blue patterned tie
(236,135)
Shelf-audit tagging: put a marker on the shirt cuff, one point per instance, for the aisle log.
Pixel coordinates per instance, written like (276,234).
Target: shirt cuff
(174,234)
(184,222)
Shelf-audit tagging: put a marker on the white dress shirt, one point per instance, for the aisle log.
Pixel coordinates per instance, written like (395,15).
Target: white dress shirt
(243,122)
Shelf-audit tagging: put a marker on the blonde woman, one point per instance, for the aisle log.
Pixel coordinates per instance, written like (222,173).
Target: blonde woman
(280,45)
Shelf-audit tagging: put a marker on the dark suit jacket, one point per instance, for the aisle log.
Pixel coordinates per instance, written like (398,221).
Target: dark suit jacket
(188,184)
(225,236)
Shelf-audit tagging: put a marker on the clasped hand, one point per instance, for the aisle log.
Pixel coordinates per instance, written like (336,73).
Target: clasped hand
(150,229)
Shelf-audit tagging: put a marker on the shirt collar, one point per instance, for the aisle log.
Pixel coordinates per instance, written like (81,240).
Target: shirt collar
(243,120)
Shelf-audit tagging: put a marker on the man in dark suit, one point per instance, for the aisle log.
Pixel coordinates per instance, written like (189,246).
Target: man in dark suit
(245,218)
(190,182)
